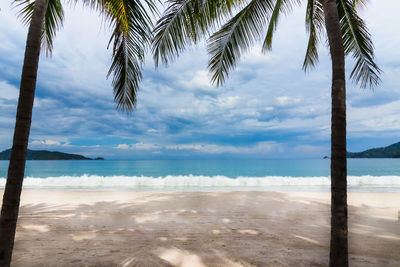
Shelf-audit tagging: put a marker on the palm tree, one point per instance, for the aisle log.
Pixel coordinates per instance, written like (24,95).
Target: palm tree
(130,37)
(186,21)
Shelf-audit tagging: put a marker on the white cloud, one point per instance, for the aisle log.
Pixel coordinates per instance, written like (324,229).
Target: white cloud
(228,102)
(261,147)
(138,146)
(8,91)
(286,100)
(144,146)
(258,148)
(265,93)
(123,146)
(256,56)
(199,81)
(47,142)
(375,119)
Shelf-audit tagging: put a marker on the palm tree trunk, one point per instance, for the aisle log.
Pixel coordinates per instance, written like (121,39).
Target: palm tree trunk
(16,169)
(339,242)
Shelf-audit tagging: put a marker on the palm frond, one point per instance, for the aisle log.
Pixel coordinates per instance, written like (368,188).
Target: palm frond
(359,3)
(130,38)
(184,22)
(314,27)
(226,45)
(53,20)
(357,41)
(281,6)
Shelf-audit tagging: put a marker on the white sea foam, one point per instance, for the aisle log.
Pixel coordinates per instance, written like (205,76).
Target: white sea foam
(201,182)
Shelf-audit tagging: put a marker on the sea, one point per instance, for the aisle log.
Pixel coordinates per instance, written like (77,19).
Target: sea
(364,175)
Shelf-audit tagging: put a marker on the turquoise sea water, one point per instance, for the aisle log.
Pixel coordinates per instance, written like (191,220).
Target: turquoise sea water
(249,174)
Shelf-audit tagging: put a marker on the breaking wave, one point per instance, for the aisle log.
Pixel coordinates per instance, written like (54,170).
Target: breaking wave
(201,182)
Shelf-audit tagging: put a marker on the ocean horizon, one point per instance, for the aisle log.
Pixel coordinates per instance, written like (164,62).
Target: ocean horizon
(364,175)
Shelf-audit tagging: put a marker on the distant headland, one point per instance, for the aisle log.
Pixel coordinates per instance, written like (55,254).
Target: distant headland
(46,155)
(392,151)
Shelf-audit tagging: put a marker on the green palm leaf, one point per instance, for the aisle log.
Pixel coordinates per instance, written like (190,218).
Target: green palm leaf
(130,38)
(359,3)
(281,6)
(226,45)
(53,20)
(185,22)
(314,27)
(357,41)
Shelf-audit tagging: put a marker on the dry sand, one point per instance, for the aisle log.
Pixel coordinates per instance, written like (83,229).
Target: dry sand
(200,229)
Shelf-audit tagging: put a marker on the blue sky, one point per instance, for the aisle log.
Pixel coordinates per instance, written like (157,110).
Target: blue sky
(269,108)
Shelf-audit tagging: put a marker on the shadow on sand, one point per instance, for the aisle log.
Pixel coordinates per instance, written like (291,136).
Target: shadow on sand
(199,229)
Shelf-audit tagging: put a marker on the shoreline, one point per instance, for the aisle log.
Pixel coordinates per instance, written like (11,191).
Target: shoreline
(203,183)
(281,189)
(237,228)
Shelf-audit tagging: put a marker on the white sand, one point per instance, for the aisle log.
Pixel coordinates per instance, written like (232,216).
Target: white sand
(200,229)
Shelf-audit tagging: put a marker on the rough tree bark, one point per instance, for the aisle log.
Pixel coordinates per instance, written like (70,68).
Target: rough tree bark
(339,232)
(16,169)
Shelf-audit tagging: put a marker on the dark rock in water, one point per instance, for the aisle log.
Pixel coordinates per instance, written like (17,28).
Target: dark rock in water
(326,157)
(99,158)
(44,155)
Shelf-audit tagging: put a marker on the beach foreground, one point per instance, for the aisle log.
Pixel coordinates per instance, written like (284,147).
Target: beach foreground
(200,229)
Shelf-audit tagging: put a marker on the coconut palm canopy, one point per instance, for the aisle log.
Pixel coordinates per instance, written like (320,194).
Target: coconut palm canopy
(130,36)
(76,90)
(186,20)
(232,27)
(131,24)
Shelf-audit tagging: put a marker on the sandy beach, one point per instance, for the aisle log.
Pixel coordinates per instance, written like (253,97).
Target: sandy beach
(200,229)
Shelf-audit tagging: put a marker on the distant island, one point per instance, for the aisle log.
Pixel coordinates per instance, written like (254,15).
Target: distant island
(46,155)
(392,151)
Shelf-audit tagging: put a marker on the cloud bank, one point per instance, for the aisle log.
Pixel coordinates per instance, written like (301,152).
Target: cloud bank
(269,108)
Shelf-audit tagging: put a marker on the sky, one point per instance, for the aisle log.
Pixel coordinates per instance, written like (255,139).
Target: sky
(268,108)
